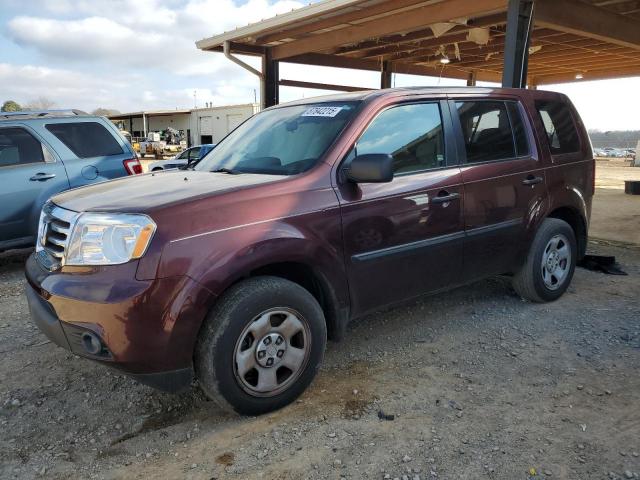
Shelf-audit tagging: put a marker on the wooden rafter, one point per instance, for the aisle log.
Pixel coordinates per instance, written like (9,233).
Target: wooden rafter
(589,21)
(442,11)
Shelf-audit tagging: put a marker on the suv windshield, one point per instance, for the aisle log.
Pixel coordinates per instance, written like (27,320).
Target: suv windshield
(282,141)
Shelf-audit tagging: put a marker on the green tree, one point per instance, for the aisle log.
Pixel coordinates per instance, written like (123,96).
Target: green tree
(11,106)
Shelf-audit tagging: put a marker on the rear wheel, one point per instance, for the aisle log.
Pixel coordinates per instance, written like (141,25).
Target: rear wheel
(261,346)
(550,263)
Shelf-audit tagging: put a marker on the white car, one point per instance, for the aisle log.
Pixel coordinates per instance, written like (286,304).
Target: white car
(189,156)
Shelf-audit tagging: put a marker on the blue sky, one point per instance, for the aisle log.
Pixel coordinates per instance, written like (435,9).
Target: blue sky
(140,54)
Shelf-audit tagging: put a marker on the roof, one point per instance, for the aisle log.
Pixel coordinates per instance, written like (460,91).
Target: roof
(148,113)
(366,95)
(160,113)
(593,39)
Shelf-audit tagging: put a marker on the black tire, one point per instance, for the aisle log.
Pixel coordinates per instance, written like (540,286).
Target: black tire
(157,169)
(215,361)
(529,282)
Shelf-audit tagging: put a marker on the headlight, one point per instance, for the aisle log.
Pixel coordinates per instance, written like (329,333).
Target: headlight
(109,239)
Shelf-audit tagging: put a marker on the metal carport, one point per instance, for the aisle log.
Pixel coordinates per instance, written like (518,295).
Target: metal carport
(516,42)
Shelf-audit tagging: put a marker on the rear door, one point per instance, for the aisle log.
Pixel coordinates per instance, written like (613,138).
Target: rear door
(404,238)
(29,174)
(92,150)
(504,183)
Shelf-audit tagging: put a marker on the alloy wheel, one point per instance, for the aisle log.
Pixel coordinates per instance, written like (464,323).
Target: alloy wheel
(556,262)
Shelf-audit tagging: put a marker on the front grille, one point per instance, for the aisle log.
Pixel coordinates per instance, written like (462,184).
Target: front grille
(53,235)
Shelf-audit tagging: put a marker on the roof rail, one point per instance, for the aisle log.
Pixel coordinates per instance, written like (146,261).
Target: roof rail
(42,113)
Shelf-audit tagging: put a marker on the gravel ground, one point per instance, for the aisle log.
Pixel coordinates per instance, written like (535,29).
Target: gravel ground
(470,384)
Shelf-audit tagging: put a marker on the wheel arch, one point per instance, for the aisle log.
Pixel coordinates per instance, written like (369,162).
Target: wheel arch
(316,283)
(577,223)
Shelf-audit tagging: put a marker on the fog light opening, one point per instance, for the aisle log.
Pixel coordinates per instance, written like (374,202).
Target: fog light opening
(91,343)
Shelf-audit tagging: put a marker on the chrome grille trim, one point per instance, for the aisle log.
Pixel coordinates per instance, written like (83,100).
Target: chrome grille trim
(54,232)
(58,229)
(56,241)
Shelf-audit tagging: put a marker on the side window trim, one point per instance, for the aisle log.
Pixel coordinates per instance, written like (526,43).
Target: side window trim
(46,153)
(449,137)
(460,142)
(518,106)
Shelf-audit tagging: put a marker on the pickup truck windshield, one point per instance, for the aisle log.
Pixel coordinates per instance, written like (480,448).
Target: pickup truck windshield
(282,141)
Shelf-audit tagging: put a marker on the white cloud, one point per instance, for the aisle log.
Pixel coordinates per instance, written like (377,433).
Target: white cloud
(144,33)
(92,38)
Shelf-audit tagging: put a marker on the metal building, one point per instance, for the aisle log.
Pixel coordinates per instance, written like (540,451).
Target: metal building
(199,125)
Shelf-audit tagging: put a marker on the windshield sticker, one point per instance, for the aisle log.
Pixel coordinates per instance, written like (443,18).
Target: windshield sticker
(322,112)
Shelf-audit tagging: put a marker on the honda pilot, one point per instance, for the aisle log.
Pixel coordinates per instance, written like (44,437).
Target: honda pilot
(308,215)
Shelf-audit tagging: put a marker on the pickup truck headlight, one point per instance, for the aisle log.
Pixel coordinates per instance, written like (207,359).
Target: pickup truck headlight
(109,239)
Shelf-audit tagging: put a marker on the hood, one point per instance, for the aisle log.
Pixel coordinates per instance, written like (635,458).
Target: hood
(145,193)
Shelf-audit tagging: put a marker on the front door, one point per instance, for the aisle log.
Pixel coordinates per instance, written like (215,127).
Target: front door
(404,238)
(29,175)
(504,184)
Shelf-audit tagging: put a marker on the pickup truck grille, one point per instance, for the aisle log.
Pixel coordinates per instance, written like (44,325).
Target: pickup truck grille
(54,233)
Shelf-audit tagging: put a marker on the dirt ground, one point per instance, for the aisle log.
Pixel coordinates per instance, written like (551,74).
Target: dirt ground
(612,173)
(615,215)
(470,384)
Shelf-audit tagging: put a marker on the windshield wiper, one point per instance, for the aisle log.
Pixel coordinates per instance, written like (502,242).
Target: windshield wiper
(226,170)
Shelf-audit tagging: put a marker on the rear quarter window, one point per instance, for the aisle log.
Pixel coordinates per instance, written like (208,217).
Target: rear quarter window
(559,126)
(86,139)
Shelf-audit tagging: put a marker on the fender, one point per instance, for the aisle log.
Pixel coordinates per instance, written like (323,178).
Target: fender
(220,258)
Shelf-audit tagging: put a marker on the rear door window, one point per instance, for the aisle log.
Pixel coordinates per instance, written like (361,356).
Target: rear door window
(492,130)
(559,126)
(86,139)
(19,147)
(412,134)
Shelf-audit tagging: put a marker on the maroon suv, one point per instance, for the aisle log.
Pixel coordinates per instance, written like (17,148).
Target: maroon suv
(308,215)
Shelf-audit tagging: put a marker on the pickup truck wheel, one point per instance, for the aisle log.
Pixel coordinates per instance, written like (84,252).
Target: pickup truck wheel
(261,345)
(550,263)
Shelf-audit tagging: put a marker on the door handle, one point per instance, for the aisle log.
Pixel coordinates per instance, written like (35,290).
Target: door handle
(445,197)
(531,180)
(38,177)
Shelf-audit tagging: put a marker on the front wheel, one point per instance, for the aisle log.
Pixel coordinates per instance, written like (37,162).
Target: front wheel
(550,263)
(261,346)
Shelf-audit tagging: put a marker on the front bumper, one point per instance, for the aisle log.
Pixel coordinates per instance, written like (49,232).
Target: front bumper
(147,329)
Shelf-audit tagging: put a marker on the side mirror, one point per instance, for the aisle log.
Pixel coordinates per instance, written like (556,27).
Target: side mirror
(371,168)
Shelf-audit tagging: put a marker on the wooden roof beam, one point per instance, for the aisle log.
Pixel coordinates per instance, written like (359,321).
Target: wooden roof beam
(586,20)
(398,67)
(407,21)
(588,75)
(587,65)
